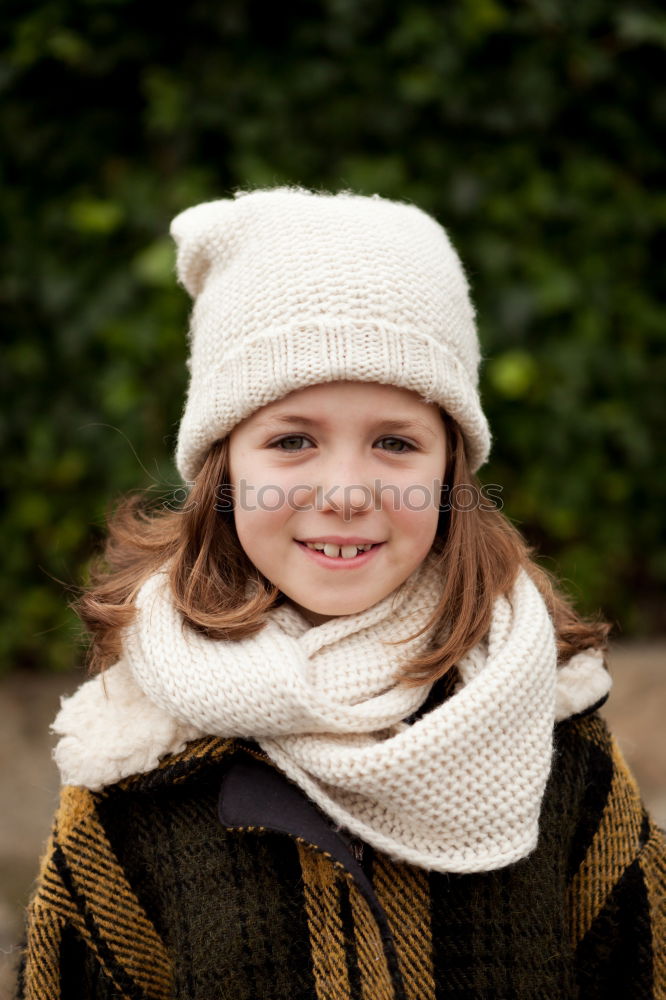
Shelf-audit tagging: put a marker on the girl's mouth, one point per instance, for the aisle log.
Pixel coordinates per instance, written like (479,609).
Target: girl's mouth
(341,558)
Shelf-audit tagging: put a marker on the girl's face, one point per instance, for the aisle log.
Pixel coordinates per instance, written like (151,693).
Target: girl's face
(345,464)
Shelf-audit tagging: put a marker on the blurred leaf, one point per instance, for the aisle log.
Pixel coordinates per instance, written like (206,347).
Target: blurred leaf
(90,215)
(69,47)
(512,373)
(636,25)
(156,265)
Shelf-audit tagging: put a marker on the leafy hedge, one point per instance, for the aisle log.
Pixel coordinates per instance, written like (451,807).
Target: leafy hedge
(533,130)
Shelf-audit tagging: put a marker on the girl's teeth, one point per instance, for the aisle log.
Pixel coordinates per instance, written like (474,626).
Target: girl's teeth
(334,551)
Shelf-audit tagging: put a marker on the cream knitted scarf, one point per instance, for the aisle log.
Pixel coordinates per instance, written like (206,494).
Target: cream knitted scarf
(457,790)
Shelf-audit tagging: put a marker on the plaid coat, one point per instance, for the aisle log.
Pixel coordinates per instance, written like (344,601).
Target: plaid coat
(214,877)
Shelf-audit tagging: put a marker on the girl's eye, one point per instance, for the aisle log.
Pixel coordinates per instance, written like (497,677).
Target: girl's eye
(407,445)
(292,437)
(282,444)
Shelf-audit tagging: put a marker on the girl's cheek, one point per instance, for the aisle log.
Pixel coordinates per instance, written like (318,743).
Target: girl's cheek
(299,497)
(270,499)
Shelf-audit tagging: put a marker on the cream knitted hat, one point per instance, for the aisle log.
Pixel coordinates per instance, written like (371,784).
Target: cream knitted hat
(294,287)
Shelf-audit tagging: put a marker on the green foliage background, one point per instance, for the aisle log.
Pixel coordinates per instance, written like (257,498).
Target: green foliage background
(533,130)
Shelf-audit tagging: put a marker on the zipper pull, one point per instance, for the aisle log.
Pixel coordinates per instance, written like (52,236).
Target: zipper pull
(357,849)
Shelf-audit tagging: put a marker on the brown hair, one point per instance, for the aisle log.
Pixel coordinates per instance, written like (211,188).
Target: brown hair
(220,593)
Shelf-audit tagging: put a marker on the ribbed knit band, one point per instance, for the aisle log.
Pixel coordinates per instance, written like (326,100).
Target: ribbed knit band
(293,288)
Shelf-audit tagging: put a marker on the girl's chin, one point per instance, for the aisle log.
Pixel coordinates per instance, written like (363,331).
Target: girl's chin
(324,613)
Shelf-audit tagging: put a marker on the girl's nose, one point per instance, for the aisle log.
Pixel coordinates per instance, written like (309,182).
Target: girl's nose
(344,496)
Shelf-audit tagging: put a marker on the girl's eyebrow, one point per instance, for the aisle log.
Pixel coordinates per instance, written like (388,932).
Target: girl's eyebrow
(388,424)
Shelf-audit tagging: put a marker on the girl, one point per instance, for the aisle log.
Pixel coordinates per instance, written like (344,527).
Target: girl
(345,741)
